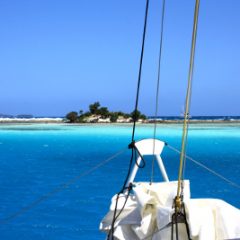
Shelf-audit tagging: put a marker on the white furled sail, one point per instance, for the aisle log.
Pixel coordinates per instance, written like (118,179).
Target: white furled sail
(148,215)
(146,210)
(165,210)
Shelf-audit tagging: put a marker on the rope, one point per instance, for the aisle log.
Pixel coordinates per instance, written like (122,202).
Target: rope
(58,189)
(187,107)
(140,68)
(158,82)
(132,144)
(115,215)
(205,167)
(133,157)
(202,166)
(124,187)
(129,170)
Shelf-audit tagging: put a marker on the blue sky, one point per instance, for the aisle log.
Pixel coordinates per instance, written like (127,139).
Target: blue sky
(58,56)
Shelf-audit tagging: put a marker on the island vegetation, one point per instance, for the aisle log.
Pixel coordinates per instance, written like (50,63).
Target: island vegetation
(100,114)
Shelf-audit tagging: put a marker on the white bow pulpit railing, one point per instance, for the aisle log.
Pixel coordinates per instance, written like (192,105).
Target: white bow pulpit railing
(150,147)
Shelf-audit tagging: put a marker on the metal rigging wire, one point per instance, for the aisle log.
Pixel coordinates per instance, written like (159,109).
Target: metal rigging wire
(58,189)
(178,200)
(206,168)
(157,90)
(132,144)
(140,69)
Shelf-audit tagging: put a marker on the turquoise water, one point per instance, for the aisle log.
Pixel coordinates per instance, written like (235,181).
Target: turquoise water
(36,159)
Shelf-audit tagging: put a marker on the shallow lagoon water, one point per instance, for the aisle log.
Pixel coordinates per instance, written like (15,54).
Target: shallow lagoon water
(37,158)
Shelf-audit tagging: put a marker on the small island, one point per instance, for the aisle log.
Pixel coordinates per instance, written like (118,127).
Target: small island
(99,114)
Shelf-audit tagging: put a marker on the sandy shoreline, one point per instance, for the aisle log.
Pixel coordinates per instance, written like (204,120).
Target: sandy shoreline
(62,121)
(31,120)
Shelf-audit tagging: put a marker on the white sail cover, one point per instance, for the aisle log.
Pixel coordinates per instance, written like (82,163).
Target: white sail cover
(148,214)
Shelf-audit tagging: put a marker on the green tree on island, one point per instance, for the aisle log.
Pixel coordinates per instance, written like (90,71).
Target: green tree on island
(72,117)
(93,108)
(113,116)
(136,115)
(102,112)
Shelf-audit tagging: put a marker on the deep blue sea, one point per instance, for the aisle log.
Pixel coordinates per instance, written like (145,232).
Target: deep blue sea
(36,159)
